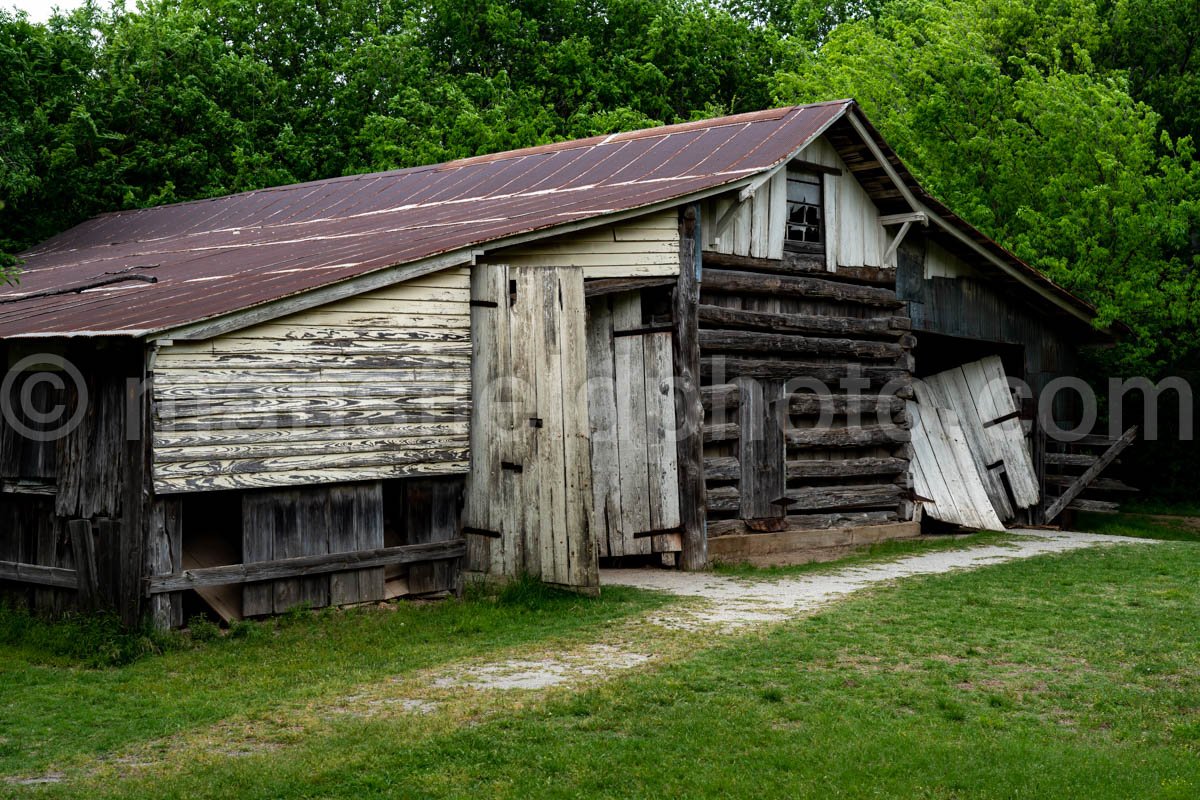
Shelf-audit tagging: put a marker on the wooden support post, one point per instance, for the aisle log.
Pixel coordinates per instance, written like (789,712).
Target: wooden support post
(164,556)
(84,549)
(689,410)
(133,500)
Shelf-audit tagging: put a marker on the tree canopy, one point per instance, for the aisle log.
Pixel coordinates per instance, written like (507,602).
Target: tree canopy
(1063,128)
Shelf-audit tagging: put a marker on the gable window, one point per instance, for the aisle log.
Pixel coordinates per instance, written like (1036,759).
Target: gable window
(804,217)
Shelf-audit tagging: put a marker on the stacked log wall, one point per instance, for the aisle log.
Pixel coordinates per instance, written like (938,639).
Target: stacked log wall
(770,325)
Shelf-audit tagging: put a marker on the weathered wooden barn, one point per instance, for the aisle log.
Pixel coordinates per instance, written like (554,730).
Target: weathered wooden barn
(669,345)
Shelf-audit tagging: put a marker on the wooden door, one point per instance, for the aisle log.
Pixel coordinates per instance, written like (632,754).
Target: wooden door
(530,486)
(631,404)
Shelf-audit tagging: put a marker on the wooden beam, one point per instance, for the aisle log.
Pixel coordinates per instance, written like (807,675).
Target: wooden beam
(1093,472)
(832,374)
(722,433)
(817,498)
(1098,485)
(800,286)
(57,577)
(719,528)
(881,327)
(761,342)
(812,166)
(727,468)
(792,263)
(1095,506)
(726,396)
(1071,459)
(689,409)
(862,436)
(304,566)
(35,488)
(904,219)
(598,287)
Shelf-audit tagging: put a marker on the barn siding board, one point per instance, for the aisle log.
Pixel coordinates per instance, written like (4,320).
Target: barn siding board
(646,246)
(356,374)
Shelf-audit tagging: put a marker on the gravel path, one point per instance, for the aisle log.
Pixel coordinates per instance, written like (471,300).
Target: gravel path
(738,602)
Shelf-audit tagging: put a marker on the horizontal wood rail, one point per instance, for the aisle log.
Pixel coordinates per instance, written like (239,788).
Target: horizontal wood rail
(57,577)
(302,566)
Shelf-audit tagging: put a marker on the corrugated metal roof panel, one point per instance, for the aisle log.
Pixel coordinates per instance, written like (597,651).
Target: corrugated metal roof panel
(212,257)
(209,258)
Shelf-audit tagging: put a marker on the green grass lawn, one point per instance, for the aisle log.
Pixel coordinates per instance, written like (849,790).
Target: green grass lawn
(1068,676)
(1169,527)
(53,711)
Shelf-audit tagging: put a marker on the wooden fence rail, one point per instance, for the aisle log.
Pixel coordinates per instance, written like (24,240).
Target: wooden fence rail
(302,566)
(58,577)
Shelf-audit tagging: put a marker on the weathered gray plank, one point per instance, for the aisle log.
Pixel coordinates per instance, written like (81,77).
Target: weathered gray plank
(602,411)
(38,575)
(305,566)
(630,378)
(689,411)
(661,453)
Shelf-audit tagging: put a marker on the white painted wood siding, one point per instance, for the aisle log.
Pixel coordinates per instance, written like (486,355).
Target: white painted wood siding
(643,247)
(375,386)
(855,237)
(757,227)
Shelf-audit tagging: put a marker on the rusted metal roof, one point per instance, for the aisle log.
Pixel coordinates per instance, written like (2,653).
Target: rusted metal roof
(143,272)
(174,265)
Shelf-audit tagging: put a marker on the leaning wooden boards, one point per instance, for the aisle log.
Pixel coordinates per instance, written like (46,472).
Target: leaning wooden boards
(971,464)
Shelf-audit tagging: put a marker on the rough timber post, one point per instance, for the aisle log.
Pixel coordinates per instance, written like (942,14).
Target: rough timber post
(689,409)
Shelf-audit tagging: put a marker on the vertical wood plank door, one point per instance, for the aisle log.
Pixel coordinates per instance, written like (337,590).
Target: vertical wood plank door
(529,491)
(631,392)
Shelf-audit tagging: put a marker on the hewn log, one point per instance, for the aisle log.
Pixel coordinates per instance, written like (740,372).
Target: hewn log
(722,433)
(808,522)
(689,410)
(863,436)
(304,566)
(799,286)
(790,264)
(882,327)
(817,498)
(728,368)
(727,468)
(785,343)
(725,396)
